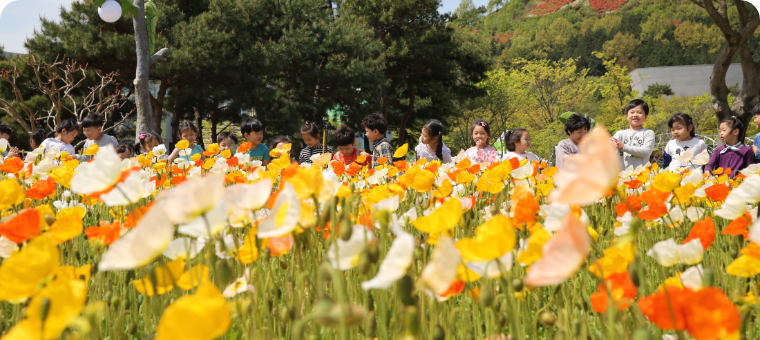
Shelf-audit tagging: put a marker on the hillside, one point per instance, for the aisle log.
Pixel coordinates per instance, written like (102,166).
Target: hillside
(639,33)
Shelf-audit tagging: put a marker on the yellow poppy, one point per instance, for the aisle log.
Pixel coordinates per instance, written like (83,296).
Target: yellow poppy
(66,300)
(11,193)
(183,144)
(615,260)
(444,190)
(21,273)
(165,277)
(62,175)
(401,151)
(666,181)
(442,219)
(91,150)
(248,252)
(424,180)
(201,316)
(197,276)
(67,225)
(535,249)
(492,240)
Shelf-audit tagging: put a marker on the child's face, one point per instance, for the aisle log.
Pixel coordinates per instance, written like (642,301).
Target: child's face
(757,121)
(68,136)
(227,144)
(310,140)
(190,136)
(636,117)
(255,138)
(577,135)
(150,144)
(480,136)
(680,132)
(726,135)
(524,143)
(93,133)
(427,139)
(5,136)
(346,150)
(372,135)
(125,155)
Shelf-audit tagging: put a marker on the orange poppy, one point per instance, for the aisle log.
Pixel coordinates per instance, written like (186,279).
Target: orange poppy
(136,215)
(432,167)
(178,179)
(667,308)
(474,169)
(243,148)
(631,204)
(233,161)
(514,162)
(633,184)
(621,289)
(739,226)
(12,165)
(41,189)
(464,164)
(455,288)
(21,227)
(526,210)
(353,169)
(401,165)
(106,232)
(711,315)
(279,246)
(717,171)
(717,192)
(382,160)
(704,230)
(338,168)
(655,206)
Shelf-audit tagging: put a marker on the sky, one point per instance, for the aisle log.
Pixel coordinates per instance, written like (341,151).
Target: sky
(19,18)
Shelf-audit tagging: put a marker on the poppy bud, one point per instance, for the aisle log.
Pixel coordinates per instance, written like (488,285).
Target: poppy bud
(635,225)
(364,262)
(223,272)
(642,333)
(44,309)
(734,252)
(708,277)
(486,297)
(133,328)
(547,318)
(374,252)
(107,298)
(438,333)
(345,232)
(322,307)
(283,265)
(494,209)
(284,315)
(49,219)
(140,299)
(411,321)
(404,289)
(517,285)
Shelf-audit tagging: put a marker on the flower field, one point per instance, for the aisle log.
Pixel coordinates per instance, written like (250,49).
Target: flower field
(224,248)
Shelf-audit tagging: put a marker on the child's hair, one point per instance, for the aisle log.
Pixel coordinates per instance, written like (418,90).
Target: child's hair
(635,103)
(344,135)
(435,129)
(68,125)
(185,126)
(280,139)
(5,128)
(685,120)
(375,121)
(251,125)
(576,122)
(226,134)
(756,110)
(484,125)
(145,138)
(513,137)
(310,128)
(735,123)
(37,137)
(93,120)
(124,147)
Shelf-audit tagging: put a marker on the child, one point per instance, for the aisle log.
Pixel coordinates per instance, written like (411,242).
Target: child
(480,152)
(124,151)
(637,143)
(279,141)
(147,142)
(682,129)
(431,146)
(227,141)
(518,143)
(576,127)
(92,127)
(310,136)
(756,143)
(375,127)
(733,154)
(64,135)
(253,132)
(5,133)
(347,153)
(35,139)
(188,132)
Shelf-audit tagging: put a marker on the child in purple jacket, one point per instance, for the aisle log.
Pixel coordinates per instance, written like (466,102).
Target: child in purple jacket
(733,154)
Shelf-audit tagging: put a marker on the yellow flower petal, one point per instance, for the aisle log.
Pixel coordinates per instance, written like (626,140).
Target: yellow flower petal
(21,273)
(492,240)
(201,316)
(442,219)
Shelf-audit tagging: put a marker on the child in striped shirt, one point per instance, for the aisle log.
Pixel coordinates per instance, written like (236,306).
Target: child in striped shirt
(375,127)
(310,135)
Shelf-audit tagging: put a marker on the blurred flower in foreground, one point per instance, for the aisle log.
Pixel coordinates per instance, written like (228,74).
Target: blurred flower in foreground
(201,316)
(64,300)
(141,244)
(563,254)
(21,274)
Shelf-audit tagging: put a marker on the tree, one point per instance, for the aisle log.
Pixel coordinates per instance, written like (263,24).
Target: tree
(656,90)
(467,15)
(736,37)
(428,63)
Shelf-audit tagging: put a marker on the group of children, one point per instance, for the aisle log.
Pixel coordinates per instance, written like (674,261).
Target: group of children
(634,144)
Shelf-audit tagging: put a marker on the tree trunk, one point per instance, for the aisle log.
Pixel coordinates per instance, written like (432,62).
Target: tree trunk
(199,124)
(142,94)
(402,129)
(748,96)
(179,113)
(214,122)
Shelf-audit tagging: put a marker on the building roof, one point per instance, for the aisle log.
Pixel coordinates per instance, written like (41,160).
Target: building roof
(692,80)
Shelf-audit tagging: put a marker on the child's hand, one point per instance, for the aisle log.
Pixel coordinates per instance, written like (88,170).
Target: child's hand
(13,152)
(616,143)
(461,152)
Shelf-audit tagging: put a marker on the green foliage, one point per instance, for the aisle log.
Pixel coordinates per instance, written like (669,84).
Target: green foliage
(656,90)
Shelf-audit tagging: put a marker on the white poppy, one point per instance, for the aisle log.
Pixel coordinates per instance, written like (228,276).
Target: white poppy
(695,177)
(184,247)
(692,252)
(344,255)
(210,223)
(190,199)
(7,247)
(228,250)
(248,196)
(389,204)
(752,169)
(692,277)
(127,192)
(754,232)
(523,172)
(284,215)
(625,220)
(98,175)
(441,271)
(239,286)
(159,150)
(3,144)
(666,253)
(398,259)
(142,244)
(492,269)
